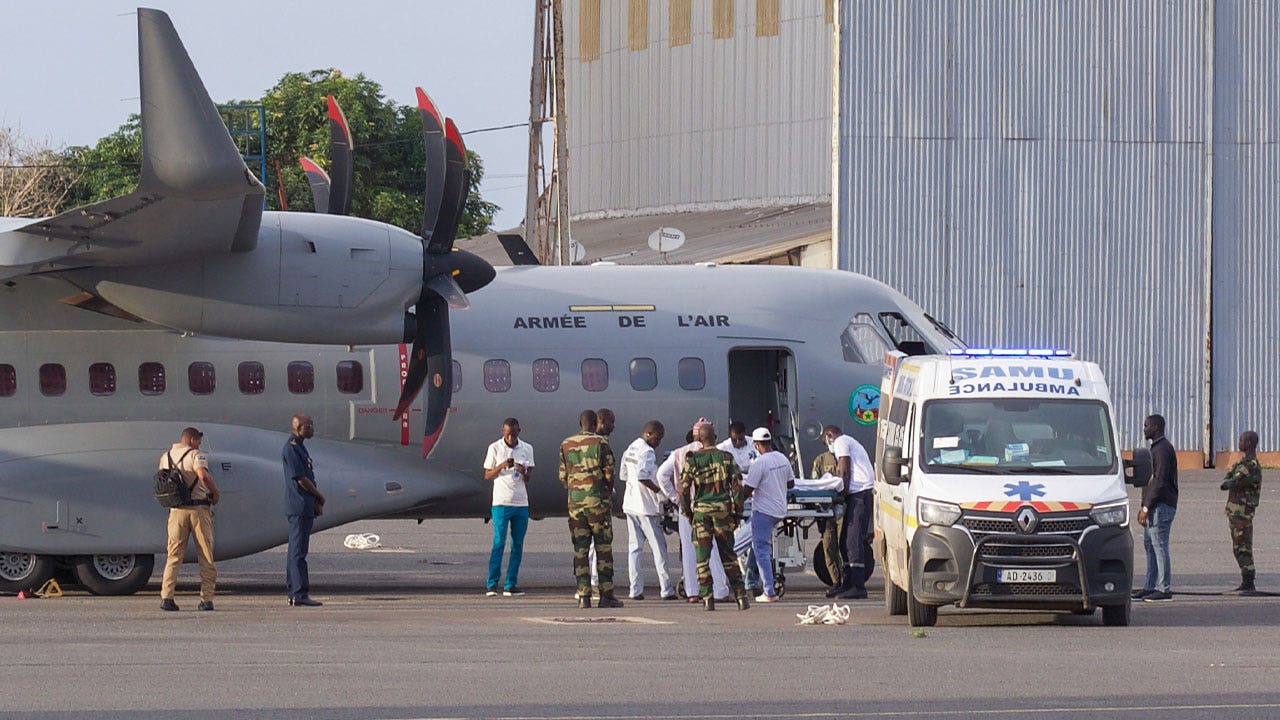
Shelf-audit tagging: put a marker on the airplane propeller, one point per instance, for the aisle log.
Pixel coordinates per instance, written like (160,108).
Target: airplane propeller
(333,196)
(448,274)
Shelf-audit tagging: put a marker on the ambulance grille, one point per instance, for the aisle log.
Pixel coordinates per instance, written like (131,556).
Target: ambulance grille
(994,550)
(1025,590)
(983,525)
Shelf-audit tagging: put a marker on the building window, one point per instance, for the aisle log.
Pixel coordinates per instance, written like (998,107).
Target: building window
(102,379)
(644,374)
(53,380)
(302,377)
(680,22)
(350,377)
(766,18)
(253,378)
(692,373)
(8,381)
(457,376)
(497,375)
(638,24)
(546,375)
(595,375)
(589,31)
(151,378)
(201,378)
(721,19)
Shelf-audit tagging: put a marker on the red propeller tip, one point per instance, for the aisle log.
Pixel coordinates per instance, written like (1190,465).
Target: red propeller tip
(426,103)
(455,137)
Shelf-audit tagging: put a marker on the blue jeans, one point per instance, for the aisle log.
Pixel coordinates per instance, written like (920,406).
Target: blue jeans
(762,543)
(742,546)
(1155,538)
(296,565)
(518,519)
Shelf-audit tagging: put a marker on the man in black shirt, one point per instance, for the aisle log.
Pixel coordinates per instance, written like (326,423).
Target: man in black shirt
(1159,505)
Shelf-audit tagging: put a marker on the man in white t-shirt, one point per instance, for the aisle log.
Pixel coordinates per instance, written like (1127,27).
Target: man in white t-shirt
(766,484)
(853,465)
(508,465)
(739,447)
(642,502)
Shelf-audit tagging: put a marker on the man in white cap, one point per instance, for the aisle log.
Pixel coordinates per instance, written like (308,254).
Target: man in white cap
(668,474)
(766,484)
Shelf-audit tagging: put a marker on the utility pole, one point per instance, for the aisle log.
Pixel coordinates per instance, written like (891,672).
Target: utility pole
(547,198)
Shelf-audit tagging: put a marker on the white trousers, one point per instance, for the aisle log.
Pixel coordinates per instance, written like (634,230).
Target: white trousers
(642,529)
(719,583)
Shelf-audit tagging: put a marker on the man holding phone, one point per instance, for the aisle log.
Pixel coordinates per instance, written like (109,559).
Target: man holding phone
(508,464)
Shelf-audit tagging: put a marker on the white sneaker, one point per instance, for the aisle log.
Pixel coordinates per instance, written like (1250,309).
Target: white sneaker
(762,598)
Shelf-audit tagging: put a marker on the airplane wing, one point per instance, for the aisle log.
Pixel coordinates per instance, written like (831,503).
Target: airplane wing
(196,196)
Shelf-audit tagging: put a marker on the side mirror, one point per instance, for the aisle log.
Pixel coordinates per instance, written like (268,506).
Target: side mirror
(1137,472)
(891,463)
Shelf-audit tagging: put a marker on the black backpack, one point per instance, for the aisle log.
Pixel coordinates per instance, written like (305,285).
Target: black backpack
(172,489)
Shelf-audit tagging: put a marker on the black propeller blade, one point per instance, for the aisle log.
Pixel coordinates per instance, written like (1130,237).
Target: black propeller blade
(517,249)
(447,274)
(333,196)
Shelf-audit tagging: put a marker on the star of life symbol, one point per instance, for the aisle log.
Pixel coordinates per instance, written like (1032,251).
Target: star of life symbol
(1024,490)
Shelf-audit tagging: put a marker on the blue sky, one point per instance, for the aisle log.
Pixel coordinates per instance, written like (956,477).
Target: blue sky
(69,75)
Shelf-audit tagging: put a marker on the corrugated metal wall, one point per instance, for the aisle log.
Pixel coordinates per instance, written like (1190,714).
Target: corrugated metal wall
(740,121)
(1040,174)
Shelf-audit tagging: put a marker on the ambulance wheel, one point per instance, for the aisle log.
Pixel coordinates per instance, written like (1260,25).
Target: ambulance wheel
(919,614)
(820,565)
(1116,615)
(895,598)
(25,571)
(119,574)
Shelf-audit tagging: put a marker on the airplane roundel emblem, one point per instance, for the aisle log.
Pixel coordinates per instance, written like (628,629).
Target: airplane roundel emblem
(864,404)
(437,380)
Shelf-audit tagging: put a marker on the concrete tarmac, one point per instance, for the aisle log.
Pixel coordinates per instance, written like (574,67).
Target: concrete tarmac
(406,632)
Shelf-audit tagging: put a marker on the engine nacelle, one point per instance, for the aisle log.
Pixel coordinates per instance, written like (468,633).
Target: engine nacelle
(312,278)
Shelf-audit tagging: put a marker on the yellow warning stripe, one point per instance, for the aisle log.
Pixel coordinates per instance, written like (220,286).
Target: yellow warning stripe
(612,308)
(896,514)
(1044,506)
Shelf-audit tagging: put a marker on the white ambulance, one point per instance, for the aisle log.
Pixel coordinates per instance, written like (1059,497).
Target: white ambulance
(999,485)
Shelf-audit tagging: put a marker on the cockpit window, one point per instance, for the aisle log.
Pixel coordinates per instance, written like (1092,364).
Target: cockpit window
(905,337)
(862,342)
(948,332)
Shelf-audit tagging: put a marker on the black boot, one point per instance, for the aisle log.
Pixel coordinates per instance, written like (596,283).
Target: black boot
(743,603)
(584,601)
(857,586)
(709,603)
(1246,582)
(846,583)
(607,600)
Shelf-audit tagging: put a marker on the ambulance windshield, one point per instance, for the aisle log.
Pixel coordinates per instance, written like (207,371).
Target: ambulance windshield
(1017,435)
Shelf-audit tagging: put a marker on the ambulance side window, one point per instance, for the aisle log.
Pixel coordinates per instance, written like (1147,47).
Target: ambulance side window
(862,342)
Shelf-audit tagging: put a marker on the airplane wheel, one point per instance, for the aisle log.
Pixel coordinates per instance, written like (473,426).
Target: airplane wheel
(24,571)
(114,574)
(820,565)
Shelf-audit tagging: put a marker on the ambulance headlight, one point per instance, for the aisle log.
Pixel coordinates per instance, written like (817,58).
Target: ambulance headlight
(1116,513)
(932,512)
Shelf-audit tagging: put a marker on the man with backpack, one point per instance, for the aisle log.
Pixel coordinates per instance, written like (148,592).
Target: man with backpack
(193,517)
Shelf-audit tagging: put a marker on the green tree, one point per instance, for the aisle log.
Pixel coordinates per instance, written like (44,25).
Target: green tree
(388,160)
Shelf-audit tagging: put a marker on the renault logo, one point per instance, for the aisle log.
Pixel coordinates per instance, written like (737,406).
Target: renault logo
(1027,520)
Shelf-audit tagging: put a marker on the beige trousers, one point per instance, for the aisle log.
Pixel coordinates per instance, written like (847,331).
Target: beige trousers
(188,522)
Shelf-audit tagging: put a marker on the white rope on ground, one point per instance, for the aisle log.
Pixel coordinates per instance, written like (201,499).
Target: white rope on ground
(362,541)
(825,615)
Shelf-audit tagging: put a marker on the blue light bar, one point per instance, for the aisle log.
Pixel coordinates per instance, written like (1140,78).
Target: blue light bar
(1010,352)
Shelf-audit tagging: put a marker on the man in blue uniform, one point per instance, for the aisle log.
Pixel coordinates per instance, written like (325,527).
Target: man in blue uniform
(303,503)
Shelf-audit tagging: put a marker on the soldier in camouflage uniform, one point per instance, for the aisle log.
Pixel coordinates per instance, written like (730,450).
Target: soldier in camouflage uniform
(586,471)
(825,464)
(1244,485)
(710,496)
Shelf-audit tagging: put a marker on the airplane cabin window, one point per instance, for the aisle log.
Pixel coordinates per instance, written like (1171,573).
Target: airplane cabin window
(497,375)
(692,373)
(253,378)
(350,377)
(102,379)
(8,381)
(302,377)
(53,380)
(151,378)
(546,375)
(595,375)
(644,374)
(201,378)
(457,376)
(905,337)
(861,342)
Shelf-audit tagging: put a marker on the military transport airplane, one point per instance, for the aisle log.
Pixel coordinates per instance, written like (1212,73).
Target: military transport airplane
(184,303)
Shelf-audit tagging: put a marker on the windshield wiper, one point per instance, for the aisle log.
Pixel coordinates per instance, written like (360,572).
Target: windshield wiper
(1039,470)
(982,469)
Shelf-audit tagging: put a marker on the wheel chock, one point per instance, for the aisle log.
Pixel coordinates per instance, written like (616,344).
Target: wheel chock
(51,589)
